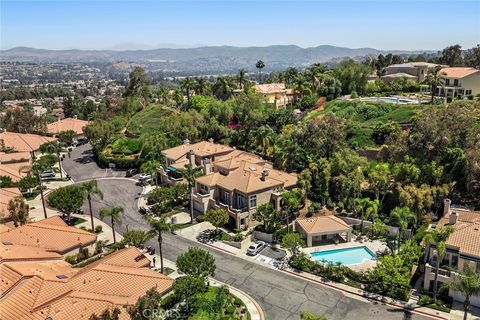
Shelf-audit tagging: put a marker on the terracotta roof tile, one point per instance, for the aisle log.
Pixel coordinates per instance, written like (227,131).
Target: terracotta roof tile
(24,142)
(7,194)
(466,232)
(323,224)
(76,125)
(270,88)
(458,72)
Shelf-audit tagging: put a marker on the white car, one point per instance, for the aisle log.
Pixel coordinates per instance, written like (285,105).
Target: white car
(47,174)
(144,177)
(255,248)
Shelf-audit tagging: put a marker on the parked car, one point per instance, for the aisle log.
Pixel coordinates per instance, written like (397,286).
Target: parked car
(255,248)
(47,174)
(145,210)
(144,177)
(80,141)
(131,172)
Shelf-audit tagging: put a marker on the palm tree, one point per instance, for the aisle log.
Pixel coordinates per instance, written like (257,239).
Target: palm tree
(260,65)
(37,169)
(163,94)
(242,78)
(178,97)
(361,205)
(190,173)
(438,237)
(301,86)
(157,227)
(115,215)
(90,188)
(265,136)
(402,217)
(435,79)
(372,212)
(468,284)
(53,147)
(188,84)
(201,85)
(222,88)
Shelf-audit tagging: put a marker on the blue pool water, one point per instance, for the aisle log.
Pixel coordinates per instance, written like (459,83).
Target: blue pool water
(345,256)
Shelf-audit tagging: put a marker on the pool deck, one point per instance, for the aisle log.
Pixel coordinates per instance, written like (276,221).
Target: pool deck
(374,246)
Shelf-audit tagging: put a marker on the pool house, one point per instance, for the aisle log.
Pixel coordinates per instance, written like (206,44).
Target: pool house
(323,230)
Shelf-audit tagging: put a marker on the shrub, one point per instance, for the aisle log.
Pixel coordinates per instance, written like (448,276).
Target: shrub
(126,146)
(98,228)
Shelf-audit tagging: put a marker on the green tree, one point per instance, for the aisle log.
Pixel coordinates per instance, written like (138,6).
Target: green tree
(222,88)
(217,217)
(6,182)
(67,199)
(115,214)
(91,188)
(438,238)
(136,238)
(242,78)
(352,75)
(138,84)
(435,79)
(151,167)
(158,226)
(185,288)
(330,87)
(66,137)
(18,210)
(391,277)
(197,263)
(305,184)
(107,315)
(53,147)
(379,179)
(163,94)
(268,216)
(468,284)
(152,300)
(188,85)
(402,217)
(190,174)
(292,202)
(260,65)
(293,242)
(452,56)
(472,57)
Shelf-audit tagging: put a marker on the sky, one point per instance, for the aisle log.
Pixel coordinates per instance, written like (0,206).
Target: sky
(88,24)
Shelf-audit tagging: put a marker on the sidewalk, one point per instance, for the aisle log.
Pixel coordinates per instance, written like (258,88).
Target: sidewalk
(253,307)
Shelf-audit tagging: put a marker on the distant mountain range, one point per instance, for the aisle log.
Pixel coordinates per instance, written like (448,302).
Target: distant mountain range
(219,58)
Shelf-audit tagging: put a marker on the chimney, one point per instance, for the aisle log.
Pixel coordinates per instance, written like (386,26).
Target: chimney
(207,166)
(446,206)
(191,157)
(186,141)
(264,174)
(453,218)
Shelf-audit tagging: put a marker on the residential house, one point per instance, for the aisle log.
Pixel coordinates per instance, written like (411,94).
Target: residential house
(23,142)
(6,195)
(66,124)
(202,153)
(275,93)
(411,70)
(39,285)
(51,234)
(459,82)
(463,248)
(240,186)
(15,165)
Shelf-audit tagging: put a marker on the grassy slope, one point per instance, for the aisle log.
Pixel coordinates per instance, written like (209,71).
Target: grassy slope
(149,120)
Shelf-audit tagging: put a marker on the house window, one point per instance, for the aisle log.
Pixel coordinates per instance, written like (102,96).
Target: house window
(203,188)
(447,82)
(225,197)
(240,201)
(468,92)
(454,261)
(253,201)
(455,82)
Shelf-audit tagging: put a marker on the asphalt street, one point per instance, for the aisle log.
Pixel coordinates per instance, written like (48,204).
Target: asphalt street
(281,296)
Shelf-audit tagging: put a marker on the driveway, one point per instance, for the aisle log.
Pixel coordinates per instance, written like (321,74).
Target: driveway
(81,166)
(280,295)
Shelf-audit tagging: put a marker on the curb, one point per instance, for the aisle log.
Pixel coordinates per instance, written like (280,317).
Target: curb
(257,306)
(393,304)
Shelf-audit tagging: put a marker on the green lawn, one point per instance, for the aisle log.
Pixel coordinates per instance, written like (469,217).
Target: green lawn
(149,120)
(209,298)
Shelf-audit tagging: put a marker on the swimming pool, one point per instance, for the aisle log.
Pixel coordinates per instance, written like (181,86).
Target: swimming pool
(346,256)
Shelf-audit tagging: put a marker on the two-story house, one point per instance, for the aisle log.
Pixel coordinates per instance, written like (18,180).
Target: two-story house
(463,248)
(240,185)
(459,82)
(275,93)
(202,153)
(412,70)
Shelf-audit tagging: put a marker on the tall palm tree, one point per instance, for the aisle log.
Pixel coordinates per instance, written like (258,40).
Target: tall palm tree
(115,214)
(90,188)
(178,97)
(260,65)
(467,283)
(362,205)
(438,237)
(188,84)
(201,85)
(53,147)
(242,78)
(163,94)
(301,86)
(157,227)
(222,88)
(190,173)
(435,79)
(402,217)
(36,169)
(371,212)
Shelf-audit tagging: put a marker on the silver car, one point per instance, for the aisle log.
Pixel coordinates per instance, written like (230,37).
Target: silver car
(255,248)
(47,174)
